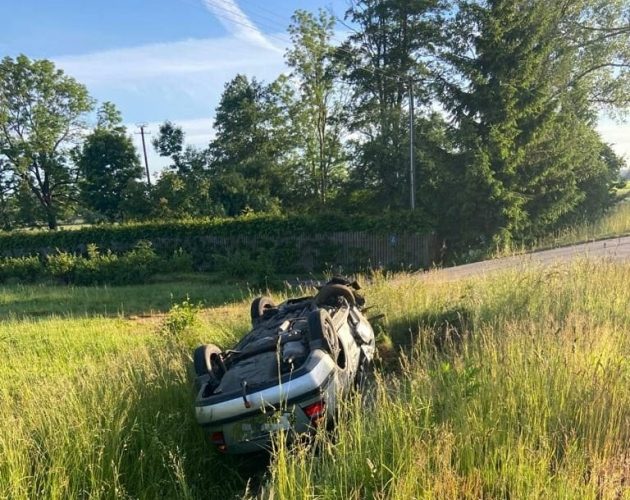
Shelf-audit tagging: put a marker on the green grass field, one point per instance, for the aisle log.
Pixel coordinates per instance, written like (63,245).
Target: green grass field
(513,385)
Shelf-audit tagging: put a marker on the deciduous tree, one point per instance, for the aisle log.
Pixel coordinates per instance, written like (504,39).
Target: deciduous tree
(251,152)
(41,118)
(391,48)
(318,109)
(108,162)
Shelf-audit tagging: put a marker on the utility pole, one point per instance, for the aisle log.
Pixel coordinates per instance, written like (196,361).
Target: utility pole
(142,126)
(412,170)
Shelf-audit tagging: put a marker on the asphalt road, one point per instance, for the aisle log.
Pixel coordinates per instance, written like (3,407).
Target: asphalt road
(617,249)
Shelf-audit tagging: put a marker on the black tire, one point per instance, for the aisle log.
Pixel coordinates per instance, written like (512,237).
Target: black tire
(258,308)
(328,295)
(207,361)
(322,334)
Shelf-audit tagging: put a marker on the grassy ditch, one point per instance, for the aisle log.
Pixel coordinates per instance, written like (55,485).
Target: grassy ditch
(516,386)
(511,385)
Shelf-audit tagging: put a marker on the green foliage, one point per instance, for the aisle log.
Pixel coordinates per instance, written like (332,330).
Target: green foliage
(108,117)
(180,262)
(108,163)
(250,157)
(182,191)
(135,266)
(21,269)
(528,80)
(61,265)
(201,239)
(390,48)
(258,268)
(40,117)
(170,141)
(317,111)
(515,155)
(181,320)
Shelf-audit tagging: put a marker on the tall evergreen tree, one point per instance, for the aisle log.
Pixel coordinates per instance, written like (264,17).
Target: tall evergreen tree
(525,80)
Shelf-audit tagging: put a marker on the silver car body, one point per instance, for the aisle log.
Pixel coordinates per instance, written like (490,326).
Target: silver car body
(244,421)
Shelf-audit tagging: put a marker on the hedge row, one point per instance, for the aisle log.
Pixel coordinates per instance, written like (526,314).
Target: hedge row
(135,266)
(113,236)
(218,244)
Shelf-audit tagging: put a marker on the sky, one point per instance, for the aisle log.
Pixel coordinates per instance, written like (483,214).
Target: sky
(170,59)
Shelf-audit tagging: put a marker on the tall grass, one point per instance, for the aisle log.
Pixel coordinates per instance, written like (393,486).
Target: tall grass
(518,388)
(101,408)
(512,385)
(614,223)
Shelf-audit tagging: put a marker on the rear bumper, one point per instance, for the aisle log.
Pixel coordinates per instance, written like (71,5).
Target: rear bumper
(275,408)
(319,368)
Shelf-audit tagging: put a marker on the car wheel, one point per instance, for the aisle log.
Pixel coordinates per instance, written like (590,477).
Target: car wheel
(258,308)
(206,360)
(322,334)
(328,295)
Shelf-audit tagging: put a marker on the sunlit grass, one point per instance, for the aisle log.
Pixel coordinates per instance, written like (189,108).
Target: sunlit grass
(511,385)
(517,386)
(614,223)
(101,407)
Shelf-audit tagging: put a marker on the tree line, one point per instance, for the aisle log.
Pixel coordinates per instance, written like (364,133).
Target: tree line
(507,94)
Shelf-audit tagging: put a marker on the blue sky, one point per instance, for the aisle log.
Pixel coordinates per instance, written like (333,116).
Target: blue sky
(169,59)
(158,59)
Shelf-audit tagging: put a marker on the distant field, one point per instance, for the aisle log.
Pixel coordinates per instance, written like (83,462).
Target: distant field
(514,385)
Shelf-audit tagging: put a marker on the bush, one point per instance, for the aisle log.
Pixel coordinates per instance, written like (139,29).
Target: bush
(181,322)
(180,262)
(24,269)
(135,266)
(61,266)
(255,268)
(97,268)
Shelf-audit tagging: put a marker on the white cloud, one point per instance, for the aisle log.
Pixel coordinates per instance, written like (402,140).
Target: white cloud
(188,57)
(236,22)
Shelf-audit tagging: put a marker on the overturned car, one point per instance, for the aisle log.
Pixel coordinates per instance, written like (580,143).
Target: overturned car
(288,372)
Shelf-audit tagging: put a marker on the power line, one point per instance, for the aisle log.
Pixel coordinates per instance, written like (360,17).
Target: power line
(234,17)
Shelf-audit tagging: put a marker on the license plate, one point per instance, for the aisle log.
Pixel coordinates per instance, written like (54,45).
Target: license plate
(280,423)
(262,425)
